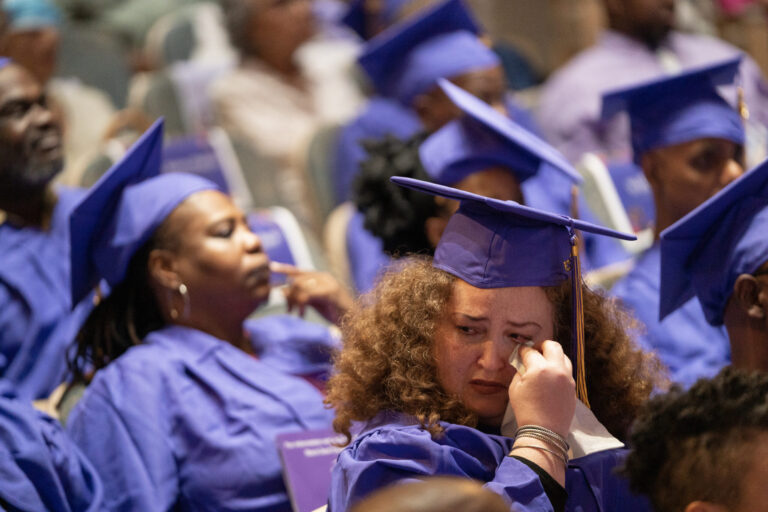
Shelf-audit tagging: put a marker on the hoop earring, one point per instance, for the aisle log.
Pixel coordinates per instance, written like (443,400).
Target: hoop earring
(182,289)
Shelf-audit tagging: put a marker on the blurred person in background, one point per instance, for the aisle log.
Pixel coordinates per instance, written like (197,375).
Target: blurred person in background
(286,86)
(31,38)
(689,142)
(437,494)
(639,44)
(719,254)
(36,318)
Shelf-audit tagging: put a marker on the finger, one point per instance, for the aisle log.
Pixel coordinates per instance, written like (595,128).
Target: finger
(530,356)
(552,350)
(567,363)
(284,268)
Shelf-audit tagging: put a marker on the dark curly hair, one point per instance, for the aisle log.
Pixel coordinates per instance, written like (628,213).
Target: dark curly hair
(697,445)
(388,363)
(122,319)
(392,213)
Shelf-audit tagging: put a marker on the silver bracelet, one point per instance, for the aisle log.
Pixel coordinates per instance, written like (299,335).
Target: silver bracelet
(556,454)
(560,449)
(554,436)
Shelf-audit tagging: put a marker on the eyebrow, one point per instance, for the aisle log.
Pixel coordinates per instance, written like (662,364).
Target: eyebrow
(514,324)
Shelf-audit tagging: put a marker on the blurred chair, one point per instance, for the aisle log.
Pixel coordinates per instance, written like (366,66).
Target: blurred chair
(156,95)
(355,255)
(320,166)
(97,59)
(619,195)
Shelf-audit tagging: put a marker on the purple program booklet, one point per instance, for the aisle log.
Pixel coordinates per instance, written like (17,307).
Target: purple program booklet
(308,457)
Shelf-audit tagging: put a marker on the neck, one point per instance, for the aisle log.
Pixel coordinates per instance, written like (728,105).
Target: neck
(232,332)
(282,64)
(749,343)
(33,208)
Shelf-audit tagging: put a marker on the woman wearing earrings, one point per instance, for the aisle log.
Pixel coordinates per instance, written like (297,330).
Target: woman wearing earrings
(187,396)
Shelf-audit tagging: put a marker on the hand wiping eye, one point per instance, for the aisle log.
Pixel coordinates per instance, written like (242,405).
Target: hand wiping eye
(515,360)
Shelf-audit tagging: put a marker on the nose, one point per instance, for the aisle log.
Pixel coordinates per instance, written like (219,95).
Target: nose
(495,355)
(42,116)
(252,242)
(732,170)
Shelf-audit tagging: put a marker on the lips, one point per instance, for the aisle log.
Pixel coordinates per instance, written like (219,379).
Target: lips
(46,143)
(259,276)
(487,387)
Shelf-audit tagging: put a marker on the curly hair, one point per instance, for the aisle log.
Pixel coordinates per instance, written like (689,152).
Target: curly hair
(392,213)
(707,432)
(388,363)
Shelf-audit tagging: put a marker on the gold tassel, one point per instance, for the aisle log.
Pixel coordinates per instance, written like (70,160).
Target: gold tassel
(743,110)
(578,334)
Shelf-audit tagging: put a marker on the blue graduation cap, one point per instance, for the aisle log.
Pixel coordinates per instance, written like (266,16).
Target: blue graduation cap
(678,109)
(122,211)
(31,14)
(484,138)
(4,61)
(490,243)
(440,42)
(356,17)
(703,253)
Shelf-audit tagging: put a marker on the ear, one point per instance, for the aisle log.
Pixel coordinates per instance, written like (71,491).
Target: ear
(705,506)
(434,227)
(161,266)
(746,293)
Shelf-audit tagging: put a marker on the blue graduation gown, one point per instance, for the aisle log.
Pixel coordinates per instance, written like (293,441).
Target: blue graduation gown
(393,448)
(189,421)
(40,468)
(684,341)
(381,117)
(36,319)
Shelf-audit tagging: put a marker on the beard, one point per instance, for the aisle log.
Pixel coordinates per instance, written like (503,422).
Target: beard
(32,176)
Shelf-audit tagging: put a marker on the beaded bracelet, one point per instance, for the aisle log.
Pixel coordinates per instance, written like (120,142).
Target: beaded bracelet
(541,448)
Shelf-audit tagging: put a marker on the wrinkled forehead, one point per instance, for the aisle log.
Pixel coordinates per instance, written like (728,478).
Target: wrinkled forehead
(17,82)
(515,304)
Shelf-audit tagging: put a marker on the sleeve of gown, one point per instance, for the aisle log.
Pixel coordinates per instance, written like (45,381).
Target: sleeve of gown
(390,456)
(130,453)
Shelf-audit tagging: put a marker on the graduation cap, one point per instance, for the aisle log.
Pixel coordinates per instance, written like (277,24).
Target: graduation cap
(31,14)
(355,17)
(484,138)
(703,253)
(490,243)
(4,61)
(122,211)
(409,57)
(678,109)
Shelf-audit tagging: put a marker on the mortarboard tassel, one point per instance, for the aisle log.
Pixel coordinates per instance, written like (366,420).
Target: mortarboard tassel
(578,322)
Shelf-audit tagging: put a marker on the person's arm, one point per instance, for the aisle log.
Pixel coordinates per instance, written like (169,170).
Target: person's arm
(398,455)
(128,450)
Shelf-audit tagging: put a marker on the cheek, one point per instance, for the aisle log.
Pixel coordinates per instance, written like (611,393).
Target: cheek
(453,362)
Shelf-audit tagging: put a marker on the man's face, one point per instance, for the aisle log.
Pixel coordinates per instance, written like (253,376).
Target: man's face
(647,20)
(685,175)
(30,133)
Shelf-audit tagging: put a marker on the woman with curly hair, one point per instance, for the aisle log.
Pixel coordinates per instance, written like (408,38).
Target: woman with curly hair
(424,377)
